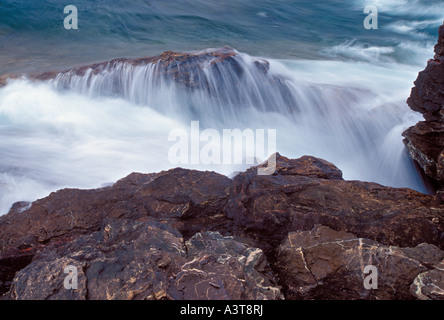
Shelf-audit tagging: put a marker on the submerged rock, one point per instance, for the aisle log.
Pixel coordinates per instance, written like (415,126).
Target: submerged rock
(186,234)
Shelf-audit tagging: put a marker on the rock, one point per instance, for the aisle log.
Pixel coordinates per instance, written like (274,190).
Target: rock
(439,47)
(427,97)
(430,284)
(269,207)
(187,234)
(327,264)
(144,260)
(223,268)
(184,69)
(425,141)
(9,264)
(188,199)
(305,166)
(182,196)
(127,260)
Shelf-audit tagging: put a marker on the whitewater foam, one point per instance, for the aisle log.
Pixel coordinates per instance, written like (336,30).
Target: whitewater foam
(83,132)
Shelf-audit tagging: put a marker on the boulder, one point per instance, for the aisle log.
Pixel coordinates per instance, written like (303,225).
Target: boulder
(187,198)
(430,284)
(222,268)
(309,191)
(187,234)
(144,260)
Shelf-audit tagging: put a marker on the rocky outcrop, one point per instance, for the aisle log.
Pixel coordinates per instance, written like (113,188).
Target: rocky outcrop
(425,141)
(310,191)
(301,233)
(324,263)
(186,69)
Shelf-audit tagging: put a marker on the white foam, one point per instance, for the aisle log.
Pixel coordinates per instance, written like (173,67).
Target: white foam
(347,113)
(358,52)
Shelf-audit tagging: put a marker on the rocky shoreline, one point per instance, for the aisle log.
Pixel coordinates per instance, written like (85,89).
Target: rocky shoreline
(302,233)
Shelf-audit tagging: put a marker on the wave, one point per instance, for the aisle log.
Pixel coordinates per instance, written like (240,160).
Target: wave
(91,126)
(415,8)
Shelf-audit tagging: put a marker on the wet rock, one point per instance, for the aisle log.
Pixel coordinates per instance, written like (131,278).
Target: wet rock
(323,263)
(126,260)
(427,97)
(223,268)
(186,69)
(425,142)
(430,284)
(9,265)
(148,260)
(185,197)
(269,207)
(186,234)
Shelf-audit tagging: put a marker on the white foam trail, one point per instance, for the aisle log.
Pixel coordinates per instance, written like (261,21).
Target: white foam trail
(415,8)
(51,140)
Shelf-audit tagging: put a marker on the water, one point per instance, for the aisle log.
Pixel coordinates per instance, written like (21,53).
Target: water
(342,98)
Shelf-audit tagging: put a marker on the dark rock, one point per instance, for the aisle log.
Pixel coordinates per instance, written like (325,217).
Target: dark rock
(182,196)
(124,260)
(185,69)
(323,263)
(223,268)
(439,47)
(9,265)
(425,141)
(269,207)
(305,166)
(148,260)
(427,97)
